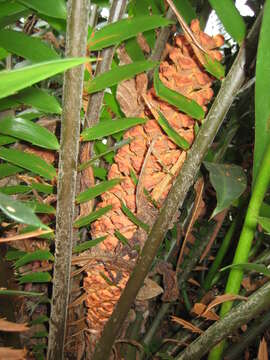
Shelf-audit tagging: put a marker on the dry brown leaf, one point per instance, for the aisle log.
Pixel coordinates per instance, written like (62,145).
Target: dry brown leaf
(251,285)
(187,325)
(263,351)
(197,210)
(12,354)
(171,291)
(194,282)
(223,298)
(25,236)
(199,310)
(149,290)
(9,326)
(219,218)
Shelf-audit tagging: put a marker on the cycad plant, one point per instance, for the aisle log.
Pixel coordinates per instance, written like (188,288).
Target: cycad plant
(113,250)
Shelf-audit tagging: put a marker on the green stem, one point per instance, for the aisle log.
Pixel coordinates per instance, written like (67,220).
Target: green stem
(220,256)
(245,241)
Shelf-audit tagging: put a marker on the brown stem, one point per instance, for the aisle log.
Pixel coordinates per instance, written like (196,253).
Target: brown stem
(177,194)
(77,25)
(94,107)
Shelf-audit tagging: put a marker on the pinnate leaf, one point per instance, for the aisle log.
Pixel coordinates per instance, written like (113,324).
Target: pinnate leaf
(28,47)
(19,212)
(38,255)
(182,103)
(29,131)
(54,8)
(15,80)
(86,220)
(35,277)
(109,127)
(118,74)
(121,30)
(88,244)
(28,161)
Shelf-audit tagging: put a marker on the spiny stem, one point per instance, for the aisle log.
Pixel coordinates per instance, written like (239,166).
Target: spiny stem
(77,25)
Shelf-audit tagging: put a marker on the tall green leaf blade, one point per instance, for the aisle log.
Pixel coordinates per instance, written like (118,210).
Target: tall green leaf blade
(88,244)
(180,101)
(29,131)
(28,47)
(118,74)
(229,181)
(39,99)
(54,8)
(28,161)
(35,277)
(121,30)
(262,102)
(38,255)
(173,135)
(230,18)
(86,220)
(96,190)
(8,170)
(15,80)
(19,212)
(109,127)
